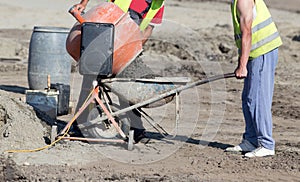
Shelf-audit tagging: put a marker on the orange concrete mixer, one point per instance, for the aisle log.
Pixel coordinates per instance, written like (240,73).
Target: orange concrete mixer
(127,38)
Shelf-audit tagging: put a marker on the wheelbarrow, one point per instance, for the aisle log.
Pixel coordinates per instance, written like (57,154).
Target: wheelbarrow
(105,123)
(108,127)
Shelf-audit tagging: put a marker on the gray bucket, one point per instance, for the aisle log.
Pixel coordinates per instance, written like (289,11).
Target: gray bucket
(48,56)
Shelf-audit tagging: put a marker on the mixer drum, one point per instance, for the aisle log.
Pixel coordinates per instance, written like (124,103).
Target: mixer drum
(127,43)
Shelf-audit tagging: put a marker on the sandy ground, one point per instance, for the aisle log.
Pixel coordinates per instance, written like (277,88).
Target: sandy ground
(194,41)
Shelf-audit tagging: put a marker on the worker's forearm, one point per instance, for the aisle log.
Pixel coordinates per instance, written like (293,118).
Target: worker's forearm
(245,48)
(146,34)
(81,6)
(241,71)
(84,2)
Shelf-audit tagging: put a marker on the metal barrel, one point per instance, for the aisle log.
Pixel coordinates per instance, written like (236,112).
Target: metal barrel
(48,56)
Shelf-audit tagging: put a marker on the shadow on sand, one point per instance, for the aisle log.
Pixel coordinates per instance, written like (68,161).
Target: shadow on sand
(13,88)
(186,139)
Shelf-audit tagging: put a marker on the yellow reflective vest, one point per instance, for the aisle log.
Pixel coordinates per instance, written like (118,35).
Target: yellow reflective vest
(155,6)
(265,36)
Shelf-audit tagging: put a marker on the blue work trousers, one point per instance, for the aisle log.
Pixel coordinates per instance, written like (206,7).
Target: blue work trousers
(257,99)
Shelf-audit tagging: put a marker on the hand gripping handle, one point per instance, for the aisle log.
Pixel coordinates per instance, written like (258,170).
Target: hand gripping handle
(77,15)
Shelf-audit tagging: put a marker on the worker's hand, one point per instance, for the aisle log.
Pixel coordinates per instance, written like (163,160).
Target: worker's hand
(241,72)
(80,7)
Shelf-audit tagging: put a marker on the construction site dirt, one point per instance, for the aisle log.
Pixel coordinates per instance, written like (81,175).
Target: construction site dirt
(194,41)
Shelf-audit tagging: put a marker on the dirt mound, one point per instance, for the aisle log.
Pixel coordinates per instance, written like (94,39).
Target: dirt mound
(9,171)
(176,50)
(17,123)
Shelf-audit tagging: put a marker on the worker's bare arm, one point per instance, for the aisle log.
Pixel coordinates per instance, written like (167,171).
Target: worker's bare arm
(245,9)
(82,5)
(147,33)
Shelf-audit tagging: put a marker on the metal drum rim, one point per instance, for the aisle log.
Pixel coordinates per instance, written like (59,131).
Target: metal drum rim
(51,29)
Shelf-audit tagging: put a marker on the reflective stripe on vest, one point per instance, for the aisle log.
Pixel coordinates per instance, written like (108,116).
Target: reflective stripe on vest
(265,36)
(155,6)
(123,4)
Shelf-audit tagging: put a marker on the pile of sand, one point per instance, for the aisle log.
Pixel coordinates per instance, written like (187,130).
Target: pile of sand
(20,128)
